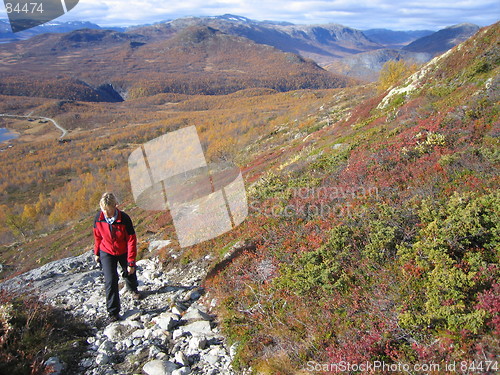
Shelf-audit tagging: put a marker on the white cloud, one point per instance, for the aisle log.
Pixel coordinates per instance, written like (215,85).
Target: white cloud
(362,14)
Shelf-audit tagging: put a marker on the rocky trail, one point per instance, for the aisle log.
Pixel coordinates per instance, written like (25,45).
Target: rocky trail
(169,331)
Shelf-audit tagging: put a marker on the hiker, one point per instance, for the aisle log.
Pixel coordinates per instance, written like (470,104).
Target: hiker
(115,242)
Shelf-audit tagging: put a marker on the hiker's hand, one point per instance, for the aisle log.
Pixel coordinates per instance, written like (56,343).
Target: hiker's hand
(130,270)
(96,258)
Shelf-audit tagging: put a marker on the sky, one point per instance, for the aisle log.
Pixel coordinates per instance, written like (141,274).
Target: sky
(359,14)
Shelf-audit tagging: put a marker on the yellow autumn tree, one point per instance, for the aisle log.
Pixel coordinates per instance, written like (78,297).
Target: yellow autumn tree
(29,214)
(17,223)
(43,205)
(394,72)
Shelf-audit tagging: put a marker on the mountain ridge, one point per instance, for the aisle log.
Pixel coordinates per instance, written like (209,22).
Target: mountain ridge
(443,39)
(311,41)
(329,45)
(366,65)
(191,60)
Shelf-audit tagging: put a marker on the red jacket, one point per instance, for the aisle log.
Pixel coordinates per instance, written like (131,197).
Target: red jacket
(117,238)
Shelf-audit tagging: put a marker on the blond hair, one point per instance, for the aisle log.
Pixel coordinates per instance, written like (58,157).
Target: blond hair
(108,200)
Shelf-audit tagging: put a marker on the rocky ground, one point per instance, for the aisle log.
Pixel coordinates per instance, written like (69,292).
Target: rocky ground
(168,331)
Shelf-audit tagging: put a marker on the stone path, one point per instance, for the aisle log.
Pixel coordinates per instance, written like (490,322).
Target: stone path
(167,332)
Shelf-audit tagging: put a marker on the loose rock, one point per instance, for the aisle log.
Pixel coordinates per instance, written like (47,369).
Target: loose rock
(166,332)
(55,365)
(158,367)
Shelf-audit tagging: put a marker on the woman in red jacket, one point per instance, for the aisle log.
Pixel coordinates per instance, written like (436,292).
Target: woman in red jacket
(115,242)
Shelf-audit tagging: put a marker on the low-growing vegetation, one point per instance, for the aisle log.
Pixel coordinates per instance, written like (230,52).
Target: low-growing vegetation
(31,332)
(393,255)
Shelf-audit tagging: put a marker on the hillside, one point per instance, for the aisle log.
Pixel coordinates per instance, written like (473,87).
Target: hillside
(443,40)
(376,238)
(194,60)
(373,226)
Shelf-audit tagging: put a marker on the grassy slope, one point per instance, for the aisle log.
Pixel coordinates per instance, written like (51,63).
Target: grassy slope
(380,242)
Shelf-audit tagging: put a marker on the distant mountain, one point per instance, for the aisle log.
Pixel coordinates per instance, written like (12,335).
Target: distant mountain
(6,34)
(443,40)
(366,66)
(395,38)
(96,65)
(322,43)
(328,45)
(339,48)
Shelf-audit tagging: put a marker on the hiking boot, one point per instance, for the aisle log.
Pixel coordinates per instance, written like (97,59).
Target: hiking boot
(114,317)
(136,295)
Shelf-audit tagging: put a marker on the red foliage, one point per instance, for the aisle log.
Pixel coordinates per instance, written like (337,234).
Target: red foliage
(360,347)
(489,301)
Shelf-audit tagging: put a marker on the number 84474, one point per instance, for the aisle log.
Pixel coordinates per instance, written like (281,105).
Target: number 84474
(26,8)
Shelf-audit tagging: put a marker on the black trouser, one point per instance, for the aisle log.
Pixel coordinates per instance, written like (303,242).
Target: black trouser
(109,266)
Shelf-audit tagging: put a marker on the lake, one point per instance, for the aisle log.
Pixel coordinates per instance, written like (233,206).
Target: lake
(6,134)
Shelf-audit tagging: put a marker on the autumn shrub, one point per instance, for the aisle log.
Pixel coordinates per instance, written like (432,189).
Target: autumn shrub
(321,268)
(31,331)
(489,301)
(267,186)
(455,245)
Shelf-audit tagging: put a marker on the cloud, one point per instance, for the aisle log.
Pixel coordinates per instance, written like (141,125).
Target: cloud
(361,14)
